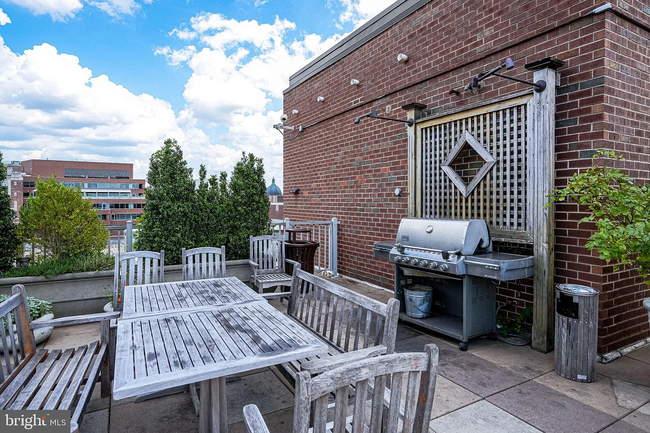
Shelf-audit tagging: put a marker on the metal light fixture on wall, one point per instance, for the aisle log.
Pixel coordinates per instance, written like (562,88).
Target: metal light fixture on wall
(294,111)
(402,58)
(354,82)
(320,99)
(295,191)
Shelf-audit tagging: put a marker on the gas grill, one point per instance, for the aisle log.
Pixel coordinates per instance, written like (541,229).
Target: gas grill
(455,259)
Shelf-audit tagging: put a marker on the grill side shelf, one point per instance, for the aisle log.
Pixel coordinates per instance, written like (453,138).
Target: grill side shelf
(500,266)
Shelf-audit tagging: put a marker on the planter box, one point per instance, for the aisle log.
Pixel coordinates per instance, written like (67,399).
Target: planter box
(87,292)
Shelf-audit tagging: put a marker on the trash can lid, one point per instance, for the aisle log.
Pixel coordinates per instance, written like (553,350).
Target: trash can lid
(577,290)
(646,304)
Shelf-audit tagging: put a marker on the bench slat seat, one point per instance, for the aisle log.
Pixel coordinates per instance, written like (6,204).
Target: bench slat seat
(38,379)
(353,326)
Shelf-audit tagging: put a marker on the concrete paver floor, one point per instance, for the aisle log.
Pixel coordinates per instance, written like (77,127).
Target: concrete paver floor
(493,387)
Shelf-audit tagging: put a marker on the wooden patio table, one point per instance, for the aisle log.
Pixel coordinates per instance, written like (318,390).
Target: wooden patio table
(173,334)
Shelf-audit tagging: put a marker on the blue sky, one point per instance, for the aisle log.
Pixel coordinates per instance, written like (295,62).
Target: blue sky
(109,80)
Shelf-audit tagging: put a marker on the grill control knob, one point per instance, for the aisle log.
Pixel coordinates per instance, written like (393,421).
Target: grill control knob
(424,263)
(444,267)
(405,259)
(433,265)
(414,262)
(398,259)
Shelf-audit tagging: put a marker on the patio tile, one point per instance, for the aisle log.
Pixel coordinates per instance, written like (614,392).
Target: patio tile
(626,369)
(478,375)
(95,422)
(622,427)
(404,332)
(520,359)
(96,401)
(549,410)
(73,336)
(277,422)
(171,414)
(263,389)
(481,417)
(416,344)
(642,354)
(450,397)
(611,396)
(640,418)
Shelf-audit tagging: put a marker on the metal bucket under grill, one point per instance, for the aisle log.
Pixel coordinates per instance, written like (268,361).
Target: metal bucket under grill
(418,300)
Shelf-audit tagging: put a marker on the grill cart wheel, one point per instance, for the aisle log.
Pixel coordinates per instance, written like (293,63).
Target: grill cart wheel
(463,346)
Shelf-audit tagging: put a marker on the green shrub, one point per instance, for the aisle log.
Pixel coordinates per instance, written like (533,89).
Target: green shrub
(61,221)
(51,267)
(37,307)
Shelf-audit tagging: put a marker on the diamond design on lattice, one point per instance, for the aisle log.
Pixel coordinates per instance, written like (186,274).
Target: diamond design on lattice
(450,169)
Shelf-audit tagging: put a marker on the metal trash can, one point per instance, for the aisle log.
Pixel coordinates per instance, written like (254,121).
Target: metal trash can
(576,332)
(646,304)
(299,250)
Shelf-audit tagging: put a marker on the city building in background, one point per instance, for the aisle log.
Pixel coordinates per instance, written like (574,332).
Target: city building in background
(275,197)
(116,195)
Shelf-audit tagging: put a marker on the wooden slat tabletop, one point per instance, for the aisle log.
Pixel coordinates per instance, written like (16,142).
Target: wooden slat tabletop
(163,349)
(185,295)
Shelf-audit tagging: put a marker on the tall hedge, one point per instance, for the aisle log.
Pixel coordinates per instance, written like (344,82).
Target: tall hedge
(167,220)
(180,213)
(8,237)
(247,206)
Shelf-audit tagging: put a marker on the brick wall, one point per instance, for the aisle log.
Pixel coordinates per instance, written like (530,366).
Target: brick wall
(351,171)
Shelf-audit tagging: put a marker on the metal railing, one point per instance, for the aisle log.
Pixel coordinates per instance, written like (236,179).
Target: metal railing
(323,232)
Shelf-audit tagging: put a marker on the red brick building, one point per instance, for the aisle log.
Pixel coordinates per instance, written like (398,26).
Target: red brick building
(602,101)
(117,196)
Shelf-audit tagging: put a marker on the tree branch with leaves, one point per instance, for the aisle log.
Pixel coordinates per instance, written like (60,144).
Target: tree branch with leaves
(620,209)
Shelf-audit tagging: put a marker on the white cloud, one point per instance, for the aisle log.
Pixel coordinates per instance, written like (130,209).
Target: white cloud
(259,3)
(52,107)
(61,10)
(238,75)
(183,34)
(4,18)
(176,57)
(360,11)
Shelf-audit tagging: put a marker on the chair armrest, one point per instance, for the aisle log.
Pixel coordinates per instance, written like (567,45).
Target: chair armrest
(275,295)
(253,420)
(293,262)
(76,320)
(325,364)
(253,264)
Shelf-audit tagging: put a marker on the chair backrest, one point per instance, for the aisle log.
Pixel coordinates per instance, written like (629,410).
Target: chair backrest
(268,252)
(18,344)
(392,411)
(138,267)
(344,318)
(202,263)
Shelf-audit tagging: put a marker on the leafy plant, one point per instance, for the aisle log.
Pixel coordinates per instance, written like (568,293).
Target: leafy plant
(50,267)
(508,327)
(8,238)
(61,221)
(620,209)
(37,307)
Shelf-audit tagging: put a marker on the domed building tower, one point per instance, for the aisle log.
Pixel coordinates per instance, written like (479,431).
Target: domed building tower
(275,197)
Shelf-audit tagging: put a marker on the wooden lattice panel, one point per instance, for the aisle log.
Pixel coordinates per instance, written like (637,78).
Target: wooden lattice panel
(500,197)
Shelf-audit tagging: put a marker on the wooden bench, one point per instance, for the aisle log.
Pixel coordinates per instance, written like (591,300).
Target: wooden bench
(40,379)
(354,326)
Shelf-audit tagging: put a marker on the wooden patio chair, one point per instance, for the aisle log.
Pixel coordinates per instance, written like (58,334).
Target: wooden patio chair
(41,379)
(202,263)
(267,262)
(199,264)
(375,408)
(137,267)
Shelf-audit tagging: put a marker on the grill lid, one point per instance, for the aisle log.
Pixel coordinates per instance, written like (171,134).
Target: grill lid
(467,237)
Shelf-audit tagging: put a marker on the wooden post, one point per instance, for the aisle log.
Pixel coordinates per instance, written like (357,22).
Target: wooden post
(413,111)
(541,178)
